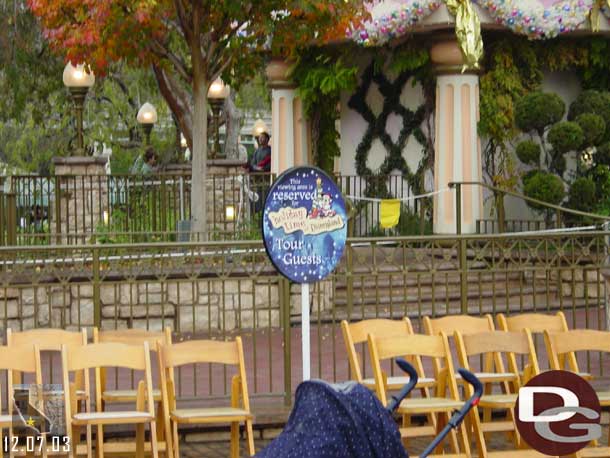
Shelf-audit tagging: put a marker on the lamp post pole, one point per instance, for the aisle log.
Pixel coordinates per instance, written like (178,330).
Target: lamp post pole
(216,105)
(78,97)
(78,79)
(217,94)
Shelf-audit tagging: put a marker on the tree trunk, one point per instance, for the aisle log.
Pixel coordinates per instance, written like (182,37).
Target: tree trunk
(233,117)
(199,197)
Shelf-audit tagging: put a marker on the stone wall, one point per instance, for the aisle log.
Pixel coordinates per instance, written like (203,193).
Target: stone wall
(190,306)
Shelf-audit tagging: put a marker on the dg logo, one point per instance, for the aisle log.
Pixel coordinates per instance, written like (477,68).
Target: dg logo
(558,413)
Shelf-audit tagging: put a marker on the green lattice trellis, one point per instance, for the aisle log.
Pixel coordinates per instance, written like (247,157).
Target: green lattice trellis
(391,92)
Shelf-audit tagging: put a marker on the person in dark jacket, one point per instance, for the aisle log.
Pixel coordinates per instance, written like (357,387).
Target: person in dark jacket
(261,159)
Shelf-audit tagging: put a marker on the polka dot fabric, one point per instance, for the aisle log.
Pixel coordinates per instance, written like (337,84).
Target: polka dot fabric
(336,421)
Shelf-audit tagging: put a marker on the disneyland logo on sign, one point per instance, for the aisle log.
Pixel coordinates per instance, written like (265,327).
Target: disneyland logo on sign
(298,219)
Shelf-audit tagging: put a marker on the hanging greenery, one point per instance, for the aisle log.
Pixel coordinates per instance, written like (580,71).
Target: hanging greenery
(321,75)
(411,64)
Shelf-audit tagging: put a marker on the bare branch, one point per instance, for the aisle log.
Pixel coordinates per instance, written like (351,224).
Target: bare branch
(179,65)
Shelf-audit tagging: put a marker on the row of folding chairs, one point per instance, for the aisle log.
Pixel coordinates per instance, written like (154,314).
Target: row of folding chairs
(503,358)
(151,406)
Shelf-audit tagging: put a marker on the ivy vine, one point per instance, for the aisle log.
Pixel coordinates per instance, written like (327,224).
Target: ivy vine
(408,63)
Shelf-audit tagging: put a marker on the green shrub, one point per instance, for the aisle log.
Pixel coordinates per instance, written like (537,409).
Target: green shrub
(558,164)
(583,195)
(566,136)
(600,175)
(528,152)
(538,110)
(593,127)
(546,187)
(527,175)
(602,155)
(595,102)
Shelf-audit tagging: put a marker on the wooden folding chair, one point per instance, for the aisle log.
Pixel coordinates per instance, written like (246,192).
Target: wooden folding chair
(135,337)
(538,323)
(416,345)
(561,344)
(357,333)
(205,351)
(465,324)
(119,355)
(498,343)
(17,360)
(48,339)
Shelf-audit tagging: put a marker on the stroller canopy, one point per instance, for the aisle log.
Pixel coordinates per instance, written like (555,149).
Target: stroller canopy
(337,421)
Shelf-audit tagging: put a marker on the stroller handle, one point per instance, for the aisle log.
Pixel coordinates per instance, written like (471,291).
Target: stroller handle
(404,392)
(459,415)
(474,381)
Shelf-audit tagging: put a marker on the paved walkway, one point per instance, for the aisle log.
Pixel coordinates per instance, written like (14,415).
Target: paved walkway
(497,441)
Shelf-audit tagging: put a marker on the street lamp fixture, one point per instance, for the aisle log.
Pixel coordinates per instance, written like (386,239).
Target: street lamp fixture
(147,117)
(78,79)
(259,127)
(217,94)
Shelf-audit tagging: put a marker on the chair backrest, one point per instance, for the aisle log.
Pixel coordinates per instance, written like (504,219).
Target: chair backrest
(466,324)
(416,345)
(498,343)
(47,339)
(535,322)
(538,323)
(201,351)
(103,355)
(562,343)
(19,359)
(355,333)
(108,354)
(133,337)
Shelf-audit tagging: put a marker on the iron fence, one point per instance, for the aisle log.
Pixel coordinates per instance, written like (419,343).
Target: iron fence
(36,210)
(223,289)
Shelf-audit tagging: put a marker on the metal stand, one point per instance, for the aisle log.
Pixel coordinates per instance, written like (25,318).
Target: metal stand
(305,337)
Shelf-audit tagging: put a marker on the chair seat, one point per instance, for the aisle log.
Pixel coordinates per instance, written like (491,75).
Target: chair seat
(489,377)
(102,418)
(209,414)
(425,405)
(505,401)
(126,395)
(396,383)
(604,397)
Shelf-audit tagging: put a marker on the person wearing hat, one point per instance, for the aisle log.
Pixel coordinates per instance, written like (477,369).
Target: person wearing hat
(261,159)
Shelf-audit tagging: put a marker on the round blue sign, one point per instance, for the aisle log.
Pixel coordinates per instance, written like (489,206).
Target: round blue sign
(304,224)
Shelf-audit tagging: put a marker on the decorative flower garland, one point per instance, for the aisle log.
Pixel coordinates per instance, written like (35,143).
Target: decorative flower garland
(531,18)
(392,19)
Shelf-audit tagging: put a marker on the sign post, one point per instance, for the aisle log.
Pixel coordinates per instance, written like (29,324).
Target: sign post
(304,231)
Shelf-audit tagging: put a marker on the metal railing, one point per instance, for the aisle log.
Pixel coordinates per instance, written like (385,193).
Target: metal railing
(37,210)
(223,289)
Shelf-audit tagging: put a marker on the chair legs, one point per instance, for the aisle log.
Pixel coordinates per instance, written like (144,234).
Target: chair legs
(250,438)
(235,439)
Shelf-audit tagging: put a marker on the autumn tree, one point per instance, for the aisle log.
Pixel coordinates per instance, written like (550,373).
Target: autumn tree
(188,44)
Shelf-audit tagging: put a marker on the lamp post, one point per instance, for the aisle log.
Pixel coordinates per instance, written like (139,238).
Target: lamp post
(217,94)
(78,80)
(147,117)
(259,127)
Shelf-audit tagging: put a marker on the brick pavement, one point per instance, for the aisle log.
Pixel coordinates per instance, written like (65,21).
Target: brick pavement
(497,441)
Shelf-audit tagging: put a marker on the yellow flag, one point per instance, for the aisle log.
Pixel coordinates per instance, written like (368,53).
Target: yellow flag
(390,213)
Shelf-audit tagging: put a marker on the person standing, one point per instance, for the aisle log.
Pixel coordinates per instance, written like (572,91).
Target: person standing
(261,159)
